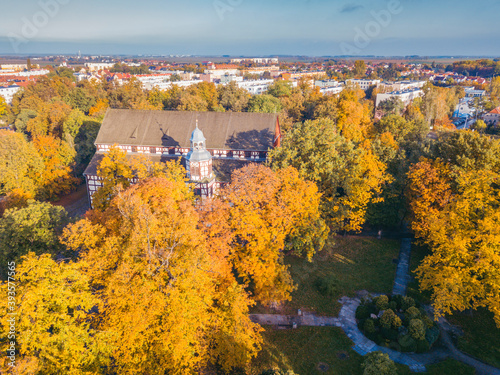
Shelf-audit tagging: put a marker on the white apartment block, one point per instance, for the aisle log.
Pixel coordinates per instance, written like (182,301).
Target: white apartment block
(92,67)
(406,96)
(363,84)
(8,92)
(256,87)
(256,60)
(401,85)
(167,85)
(330,86)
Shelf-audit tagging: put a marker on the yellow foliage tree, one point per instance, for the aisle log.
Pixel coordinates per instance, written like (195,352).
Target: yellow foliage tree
(462,271)
(52,325)
(163,302)
(266,210)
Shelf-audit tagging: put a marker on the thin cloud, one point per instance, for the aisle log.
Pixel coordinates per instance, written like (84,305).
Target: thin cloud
(349,8)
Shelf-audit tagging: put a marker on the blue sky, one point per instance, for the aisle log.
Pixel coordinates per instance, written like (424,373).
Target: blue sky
(252,27)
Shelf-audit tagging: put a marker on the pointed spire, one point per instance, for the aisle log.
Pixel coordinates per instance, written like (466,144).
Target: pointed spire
(196,123)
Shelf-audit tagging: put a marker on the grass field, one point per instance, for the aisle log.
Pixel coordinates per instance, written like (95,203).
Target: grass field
(481,337)
(305,349)
(356,263)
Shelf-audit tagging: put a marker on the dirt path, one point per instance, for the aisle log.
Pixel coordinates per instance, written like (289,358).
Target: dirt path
(76,203)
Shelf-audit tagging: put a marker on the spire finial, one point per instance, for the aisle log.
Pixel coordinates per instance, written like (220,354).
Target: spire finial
(196,123)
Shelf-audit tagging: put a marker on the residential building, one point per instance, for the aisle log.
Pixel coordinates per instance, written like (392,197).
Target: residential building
(8,92)
(406,96)
(93,67)
(401,85)
(471,92)
(256,60)
(330,87)
(256,87)
(363,84)
(493,117)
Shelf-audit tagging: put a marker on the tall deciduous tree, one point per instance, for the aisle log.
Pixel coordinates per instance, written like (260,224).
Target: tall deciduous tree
(34,228)
(348,176)
(267,210)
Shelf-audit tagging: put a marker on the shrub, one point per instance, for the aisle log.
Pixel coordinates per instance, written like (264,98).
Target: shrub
(387,318)
(369,326)
(423,346)
(363,312)
(417,329)
(412,313)
(396,322)
(407,302)
(389,333)
(427,321)
(327,286)
(378,363)
(382,302)
(393,306)
(398,298)
(407,343)
(431,335)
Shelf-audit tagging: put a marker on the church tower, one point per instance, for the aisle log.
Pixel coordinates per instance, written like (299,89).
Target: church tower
(199,165)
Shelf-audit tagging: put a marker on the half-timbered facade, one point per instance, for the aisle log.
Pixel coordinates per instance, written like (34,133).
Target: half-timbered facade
(232,140)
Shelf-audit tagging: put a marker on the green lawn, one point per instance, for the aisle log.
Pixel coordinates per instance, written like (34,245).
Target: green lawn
(304,349)
(356,263)
(450,367)
(481,338)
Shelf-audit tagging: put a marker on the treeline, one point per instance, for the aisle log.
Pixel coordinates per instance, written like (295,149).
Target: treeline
(481,68)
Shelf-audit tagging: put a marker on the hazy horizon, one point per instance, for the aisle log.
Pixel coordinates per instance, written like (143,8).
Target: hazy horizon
(243,27)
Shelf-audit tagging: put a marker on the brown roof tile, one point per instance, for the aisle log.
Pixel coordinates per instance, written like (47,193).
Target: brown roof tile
(226,131)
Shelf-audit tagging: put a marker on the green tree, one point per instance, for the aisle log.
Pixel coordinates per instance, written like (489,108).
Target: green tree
(378,363)
(35,228)
(280,89)
(264,104)
(233,98)
(348,176)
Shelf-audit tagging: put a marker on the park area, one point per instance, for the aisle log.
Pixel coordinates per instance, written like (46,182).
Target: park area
(346,266)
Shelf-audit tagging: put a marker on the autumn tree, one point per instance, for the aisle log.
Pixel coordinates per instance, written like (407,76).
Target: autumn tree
(3,107)
(454,203)
(19,163)
(163,298)
(268,212)
(55,179)
(461,272)
(53,331)
(233,98)
(349,177)
(359,68)
(34,228)
(354,116)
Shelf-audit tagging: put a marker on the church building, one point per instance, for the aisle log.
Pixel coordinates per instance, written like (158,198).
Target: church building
(211,144)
